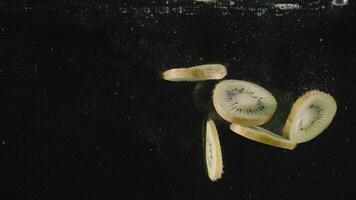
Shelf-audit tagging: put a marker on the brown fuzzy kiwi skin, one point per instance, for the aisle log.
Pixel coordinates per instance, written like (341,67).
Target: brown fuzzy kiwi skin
(292,115)
(176,73)
(261,138)
(236,120)
(195,73)
(213,74)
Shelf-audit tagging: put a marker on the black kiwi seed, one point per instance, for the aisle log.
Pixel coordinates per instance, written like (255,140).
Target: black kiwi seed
(229,93)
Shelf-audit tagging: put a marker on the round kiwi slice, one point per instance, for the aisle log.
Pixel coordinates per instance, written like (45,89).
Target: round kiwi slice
(264,136)
(243,102)
(197,73)
(311,114)
(213,156)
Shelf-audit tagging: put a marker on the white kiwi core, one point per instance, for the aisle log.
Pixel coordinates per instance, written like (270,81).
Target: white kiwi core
(245,100)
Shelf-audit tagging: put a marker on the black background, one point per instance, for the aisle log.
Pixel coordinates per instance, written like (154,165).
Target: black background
(84,115)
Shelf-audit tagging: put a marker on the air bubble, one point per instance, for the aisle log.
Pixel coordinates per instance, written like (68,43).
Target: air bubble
(339,2)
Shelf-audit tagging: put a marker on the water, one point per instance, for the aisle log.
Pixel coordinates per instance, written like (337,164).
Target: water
(85,114)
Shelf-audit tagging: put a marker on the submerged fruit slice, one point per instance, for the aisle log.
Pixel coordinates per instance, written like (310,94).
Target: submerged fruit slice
(197,73)
(264,136)
(311,114)
(213,155)
(243,102)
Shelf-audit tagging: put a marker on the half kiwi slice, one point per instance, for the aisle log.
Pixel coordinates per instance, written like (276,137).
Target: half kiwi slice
(311,114)
(243,102)
(197,73)
(213,156)
(264,136)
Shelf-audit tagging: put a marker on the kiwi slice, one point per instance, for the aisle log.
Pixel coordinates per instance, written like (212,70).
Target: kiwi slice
(311,114)
(213,156)
(264,136)
(197,73)
(243,102)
